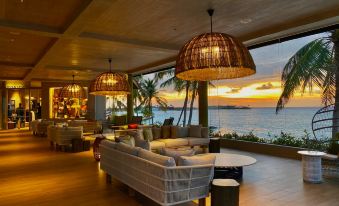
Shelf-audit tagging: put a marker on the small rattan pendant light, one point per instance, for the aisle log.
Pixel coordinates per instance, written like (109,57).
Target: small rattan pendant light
(110,83)
(213,56)
(72,91)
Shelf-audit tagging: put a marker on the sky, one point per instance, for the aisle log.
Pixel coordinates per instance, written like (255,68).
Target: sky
(261,89)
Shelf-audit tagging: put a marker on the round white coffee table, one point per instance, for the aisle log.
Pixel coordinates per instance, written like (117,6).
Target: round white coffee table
(231,165)
(311,161)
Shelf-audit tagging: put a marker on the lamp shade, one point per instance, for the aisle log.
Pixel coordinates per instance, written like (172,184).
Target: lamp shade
(213,56)
(72,90)
(111,84)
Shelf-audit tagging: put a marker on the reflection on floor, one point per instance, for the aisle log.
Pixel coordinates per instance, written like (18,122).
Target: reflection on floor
(32,174)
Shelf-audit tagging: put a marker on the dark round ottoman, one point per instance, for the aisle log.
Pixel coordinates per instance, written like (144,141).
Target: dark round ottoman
(225,192)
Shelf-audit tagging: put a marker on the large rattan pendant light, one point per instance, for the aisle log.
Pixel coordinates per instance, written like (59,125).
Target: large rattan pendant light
(213,56)
(110,83)
(72,90)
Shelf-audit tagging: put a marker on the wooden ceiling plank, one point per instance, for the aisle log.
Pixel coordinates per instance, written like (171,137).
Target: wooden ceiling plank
(87,13)
(153,65)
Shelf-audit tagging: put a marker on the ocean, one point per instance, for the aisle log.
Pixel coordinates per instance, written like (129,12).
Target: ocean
(260,121)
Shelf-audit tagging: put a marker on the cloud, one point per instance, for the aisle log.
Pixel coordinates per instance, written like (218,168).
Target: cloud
(233,91)
(265,86)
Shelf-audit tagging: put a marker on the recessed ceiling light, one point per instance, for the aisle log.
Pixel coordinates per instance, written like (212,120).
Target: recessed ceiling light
(12,40)
(246,21)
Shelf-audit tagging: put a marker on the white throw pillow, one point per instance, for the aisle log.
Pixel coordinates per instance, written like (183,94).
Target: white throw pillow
(201,159)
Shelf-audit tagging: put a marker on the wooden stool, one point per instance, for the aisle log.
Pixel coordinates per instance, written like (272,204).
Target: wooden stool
(225,192)
(214,146)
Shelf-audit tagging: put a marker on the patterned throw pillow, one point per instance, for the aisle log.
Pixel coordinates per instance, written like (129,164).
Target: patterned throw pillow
(147,132)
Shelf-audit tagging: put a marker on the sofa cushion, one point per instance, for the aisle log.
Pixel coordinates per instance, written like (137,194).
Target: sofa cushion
(176,153)
(194,141)
(147,132)
(156,133)
(127,148)
(166,132)
(174,142)
(179,132)
(201,159)
(195,131)
(156,158)
(144,144)
(155,144)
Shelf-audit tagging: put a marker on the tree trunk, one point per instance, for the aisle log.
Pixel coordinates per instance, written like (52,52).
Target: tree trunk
(335,39)
(150,109)
(185,104)
(192,103)
(182,111)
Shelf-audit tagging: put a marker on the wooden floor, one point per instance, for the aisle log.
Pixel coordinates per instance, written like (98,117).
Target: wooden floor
(32,174)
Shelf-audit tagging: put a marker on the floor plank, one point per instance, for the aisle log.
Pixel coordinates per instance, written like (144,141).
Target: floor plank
(32,174)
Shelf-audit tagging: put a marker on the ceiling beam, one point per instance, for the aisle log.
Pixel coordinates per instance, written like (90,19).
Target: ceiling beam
(13,64)
(88,13)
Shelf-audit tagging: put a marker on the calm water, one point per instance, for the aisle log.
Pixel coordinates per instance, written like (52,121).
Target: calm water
(261,121)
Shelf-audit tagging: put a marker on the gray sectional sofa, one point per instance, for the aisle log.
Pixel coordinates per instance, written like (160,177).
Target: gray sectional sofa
(171,136)
(156,176)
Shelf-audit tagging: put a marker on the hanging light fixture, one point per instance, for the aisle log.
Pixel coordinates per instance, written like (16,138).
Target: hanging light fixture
(213,56)
(110,83)
(72,90)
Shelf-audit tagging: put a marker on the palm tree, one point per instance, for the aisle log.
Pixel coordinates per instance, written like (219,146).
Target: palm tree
(315,64)
(149,91)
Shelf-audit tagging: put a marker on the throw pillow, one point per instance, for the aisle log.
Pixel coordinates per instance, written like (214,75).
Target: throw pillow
(166,132)
(175,133)
(201,159)
(127,139)
(156,158)
(156,133)
(147,132)
(195,131)
(176,153)
(132,126)
(204,132)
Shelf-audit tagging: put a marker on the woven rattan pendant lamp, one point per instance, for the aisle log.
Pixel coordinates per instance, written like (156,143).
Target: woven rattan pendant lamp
(213,56)
(110,83)
(72,90)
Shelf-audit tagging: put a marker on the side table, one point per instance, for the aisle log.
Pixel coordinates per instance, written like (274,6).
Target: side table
(214,146)
(311,161)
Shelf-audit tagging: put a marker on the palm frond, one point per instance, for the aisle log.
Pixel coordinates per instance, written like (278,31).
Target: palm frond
(307,67)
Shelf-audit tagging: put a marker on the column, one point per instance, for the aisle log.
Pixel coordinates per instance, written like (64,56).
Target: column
(203,103)
(130,109)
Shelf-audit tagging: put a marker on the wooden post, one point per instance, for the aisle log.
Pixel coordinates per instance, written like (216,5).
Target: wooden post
(130,109)
(203,103)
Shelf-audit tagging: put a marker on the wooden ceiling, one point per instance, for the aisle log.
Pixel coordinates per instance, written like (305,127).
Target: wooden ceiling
(51,40)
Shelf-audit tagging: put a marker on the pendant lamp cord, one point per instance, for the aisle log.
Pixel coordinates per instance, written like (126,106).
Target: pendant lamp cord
(110,64)
(210,13)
